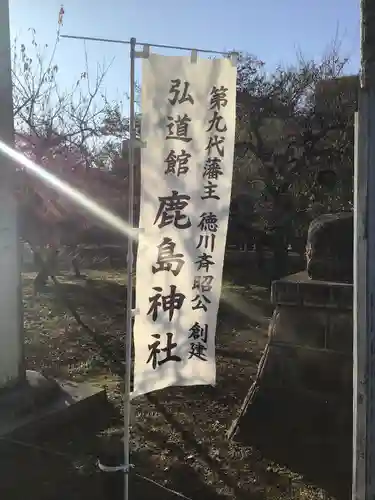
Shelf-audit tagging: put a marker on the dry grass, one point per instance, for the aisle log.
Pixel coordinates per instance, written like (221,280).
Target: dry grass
(178,435)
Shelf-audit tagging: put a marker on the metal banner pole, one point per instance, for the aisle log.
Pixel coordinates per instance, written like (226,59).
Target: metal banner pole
(129,300)
(129,283)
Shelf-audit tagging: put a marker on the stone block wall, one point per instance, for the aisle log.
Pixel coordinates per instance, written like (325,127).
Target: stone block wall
(311,337)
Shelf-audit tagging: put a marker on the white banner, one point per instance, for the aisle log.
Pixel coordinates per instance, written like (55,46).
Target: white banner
(188,126)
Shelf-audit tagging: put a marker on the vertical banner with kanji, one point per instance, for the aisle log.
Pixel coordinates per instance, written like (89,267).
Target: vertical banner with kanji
(188,127)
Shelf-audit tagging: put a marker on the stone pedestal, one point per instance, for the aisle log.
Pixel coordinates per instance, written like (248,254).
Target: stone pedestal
(311,336)
(306,369)
(37,402)
(298,411)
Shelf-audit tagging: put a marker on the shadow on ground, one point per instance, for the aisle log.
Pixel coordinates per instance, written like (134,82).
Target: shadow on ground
(61,464)
(304,435)
(179,435)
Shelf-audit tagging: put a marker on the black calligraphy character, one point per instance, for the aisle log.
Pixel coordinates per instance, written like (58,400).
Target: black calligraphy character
(210,190)
(170,211)
(212,168)
(215,141)
(199,332)
(175,89)
(208,222)
(198,350)
(172,302)
(199,303)
(178,128)
(155,303)
(204,262)
(167,258)
(215,123)
(218,98)
(207,240)
(155,351)
(177,164)
(203,283)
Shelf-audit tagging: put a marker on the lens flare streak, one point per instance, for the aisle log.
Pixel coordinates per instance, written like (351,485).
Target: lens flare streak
(82,200)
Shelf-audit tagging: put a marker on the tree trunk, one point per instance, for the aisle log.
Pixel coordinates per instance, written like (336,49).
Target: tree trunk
(41,278)
(74,261)
(77,272)
(259,252)
(280,253)
(45,268)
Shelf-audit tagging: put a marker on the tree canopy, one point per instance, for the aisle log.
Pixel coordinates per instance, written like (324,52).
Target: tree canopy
(293,154)
(295,139)
(75,134)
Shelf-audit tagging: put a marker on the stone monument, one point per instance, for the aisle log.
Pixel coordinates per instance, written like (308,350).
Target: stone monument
(329,248)
(304,380)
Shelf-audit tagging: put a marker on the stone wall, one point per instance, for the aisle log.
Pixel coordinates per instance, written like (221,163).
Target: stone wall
(311,336)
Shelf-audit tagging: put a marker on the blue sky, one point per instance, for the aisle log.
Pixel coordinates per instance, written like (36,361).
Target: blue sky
(273,30)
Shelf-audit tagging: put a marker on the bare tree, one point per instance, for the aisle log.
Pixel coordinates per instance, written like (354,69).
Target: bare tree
(288,142)
(64,131)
